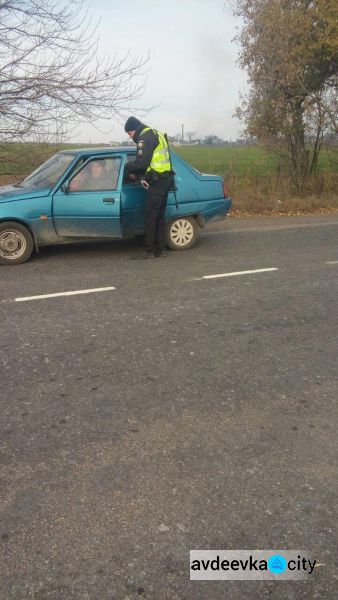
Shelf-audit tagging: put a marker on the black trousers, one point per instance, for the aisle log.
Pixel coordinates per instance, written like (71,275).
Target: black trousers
(157,196)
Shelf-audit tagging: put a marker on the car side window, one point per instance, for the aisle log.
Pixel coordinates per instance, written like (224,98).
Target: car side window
(99,174)
(126,178)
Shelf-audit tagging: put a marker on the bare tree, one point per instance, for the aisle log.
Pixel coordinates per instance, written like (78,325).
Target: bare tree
(290,49)
(51,75)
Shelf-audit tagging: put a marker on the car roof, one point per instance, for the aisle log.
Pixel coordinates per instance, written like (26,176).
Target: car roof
(99,150)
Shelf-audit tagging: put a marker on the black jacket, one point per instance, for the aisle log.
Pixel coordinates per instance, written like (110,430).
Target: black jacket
(146,144)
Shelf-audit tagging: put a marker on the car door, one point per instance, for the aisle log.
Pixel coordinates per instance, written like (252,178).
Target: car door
(88,204)
(133,202)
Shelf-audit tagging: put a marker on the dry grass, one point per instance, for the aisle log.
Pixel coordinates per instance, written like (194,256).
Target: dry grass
(271,195)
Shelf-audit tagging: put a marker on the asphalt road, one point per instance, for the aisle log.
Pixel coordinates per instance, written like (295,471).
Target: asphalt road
(170,413)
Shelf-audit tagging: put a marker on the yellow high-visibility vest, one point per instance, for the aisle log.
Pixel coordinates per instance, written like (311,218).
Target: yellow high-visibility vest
(160,160)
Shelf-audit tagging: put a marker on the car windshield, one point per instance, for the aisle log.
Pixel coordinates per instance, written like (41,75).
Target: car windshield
(48,174)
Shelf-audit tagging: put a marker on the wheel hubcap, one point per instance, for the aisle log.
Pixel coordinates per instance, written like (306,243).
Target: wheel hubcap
(12,244)
(181,232)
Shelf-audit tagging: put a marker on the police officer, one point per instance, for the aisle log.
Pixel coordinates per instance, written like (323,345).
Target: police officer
(153,164)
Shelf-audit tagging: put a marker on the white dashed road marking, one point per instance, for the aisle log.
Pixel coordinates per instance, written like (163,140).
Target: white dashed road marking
(73,293)
(106,289)
(238,273)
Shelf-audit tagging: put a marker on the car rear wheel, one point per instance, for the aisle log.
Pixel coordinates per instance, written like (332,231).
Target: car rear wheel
(182,233)
(16,243)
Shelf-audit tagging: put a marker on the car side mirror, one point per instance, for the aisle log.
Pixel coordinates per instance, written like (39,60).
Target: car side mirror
(65,187)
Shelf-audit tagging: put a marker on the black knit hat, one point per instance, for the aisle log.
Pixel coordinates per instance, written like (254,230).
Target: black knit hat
(132,124)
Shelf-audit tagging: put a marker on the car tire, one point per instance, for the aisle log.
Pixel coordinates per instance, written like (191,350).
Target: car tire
(16,243)
(182,233)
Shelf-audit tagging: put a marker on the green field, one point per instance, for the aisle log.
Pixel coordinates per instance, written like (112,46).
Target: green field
(257,182)
(224,161)
(243,160)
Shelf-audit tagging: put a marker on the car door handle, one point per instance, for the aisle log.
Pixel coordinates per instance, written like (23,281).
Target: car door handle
(108,200)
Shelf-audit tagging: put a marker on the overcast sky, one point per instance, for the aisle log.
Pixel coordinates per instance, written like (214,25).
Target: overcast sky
(192,76)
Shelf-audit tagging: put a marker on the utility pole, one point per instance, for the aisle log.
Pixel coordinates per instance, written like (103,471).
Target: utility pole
(182,132)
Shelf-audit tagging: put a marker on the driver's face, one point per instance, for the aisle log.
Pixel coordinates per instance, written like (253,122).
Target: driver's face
(96,169)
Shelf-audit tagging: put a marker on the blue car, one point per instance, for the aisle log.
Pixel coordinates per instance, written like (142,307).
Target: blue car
(83,195)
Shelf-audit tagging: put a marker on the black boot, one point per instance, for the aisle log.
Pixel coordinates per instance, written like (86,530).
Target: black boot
(159,252)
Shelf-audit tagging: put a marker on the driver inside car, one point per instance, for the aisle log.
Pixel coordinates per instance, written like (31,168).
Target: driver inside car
(92,177)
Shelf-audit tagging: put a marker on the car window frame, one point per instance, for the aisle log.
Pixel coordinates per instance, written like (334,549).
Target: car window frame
(84,165)
(130,157)
(72,172)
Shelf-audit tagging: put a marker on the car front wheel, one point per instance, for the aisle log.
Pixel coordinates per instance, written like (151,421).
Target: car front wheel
(16,243)
(182,233)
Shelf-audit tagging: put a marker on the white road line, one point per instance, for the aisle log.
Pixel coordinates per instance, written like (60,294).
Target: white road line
(73,293)
(331,262)
(238,273)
